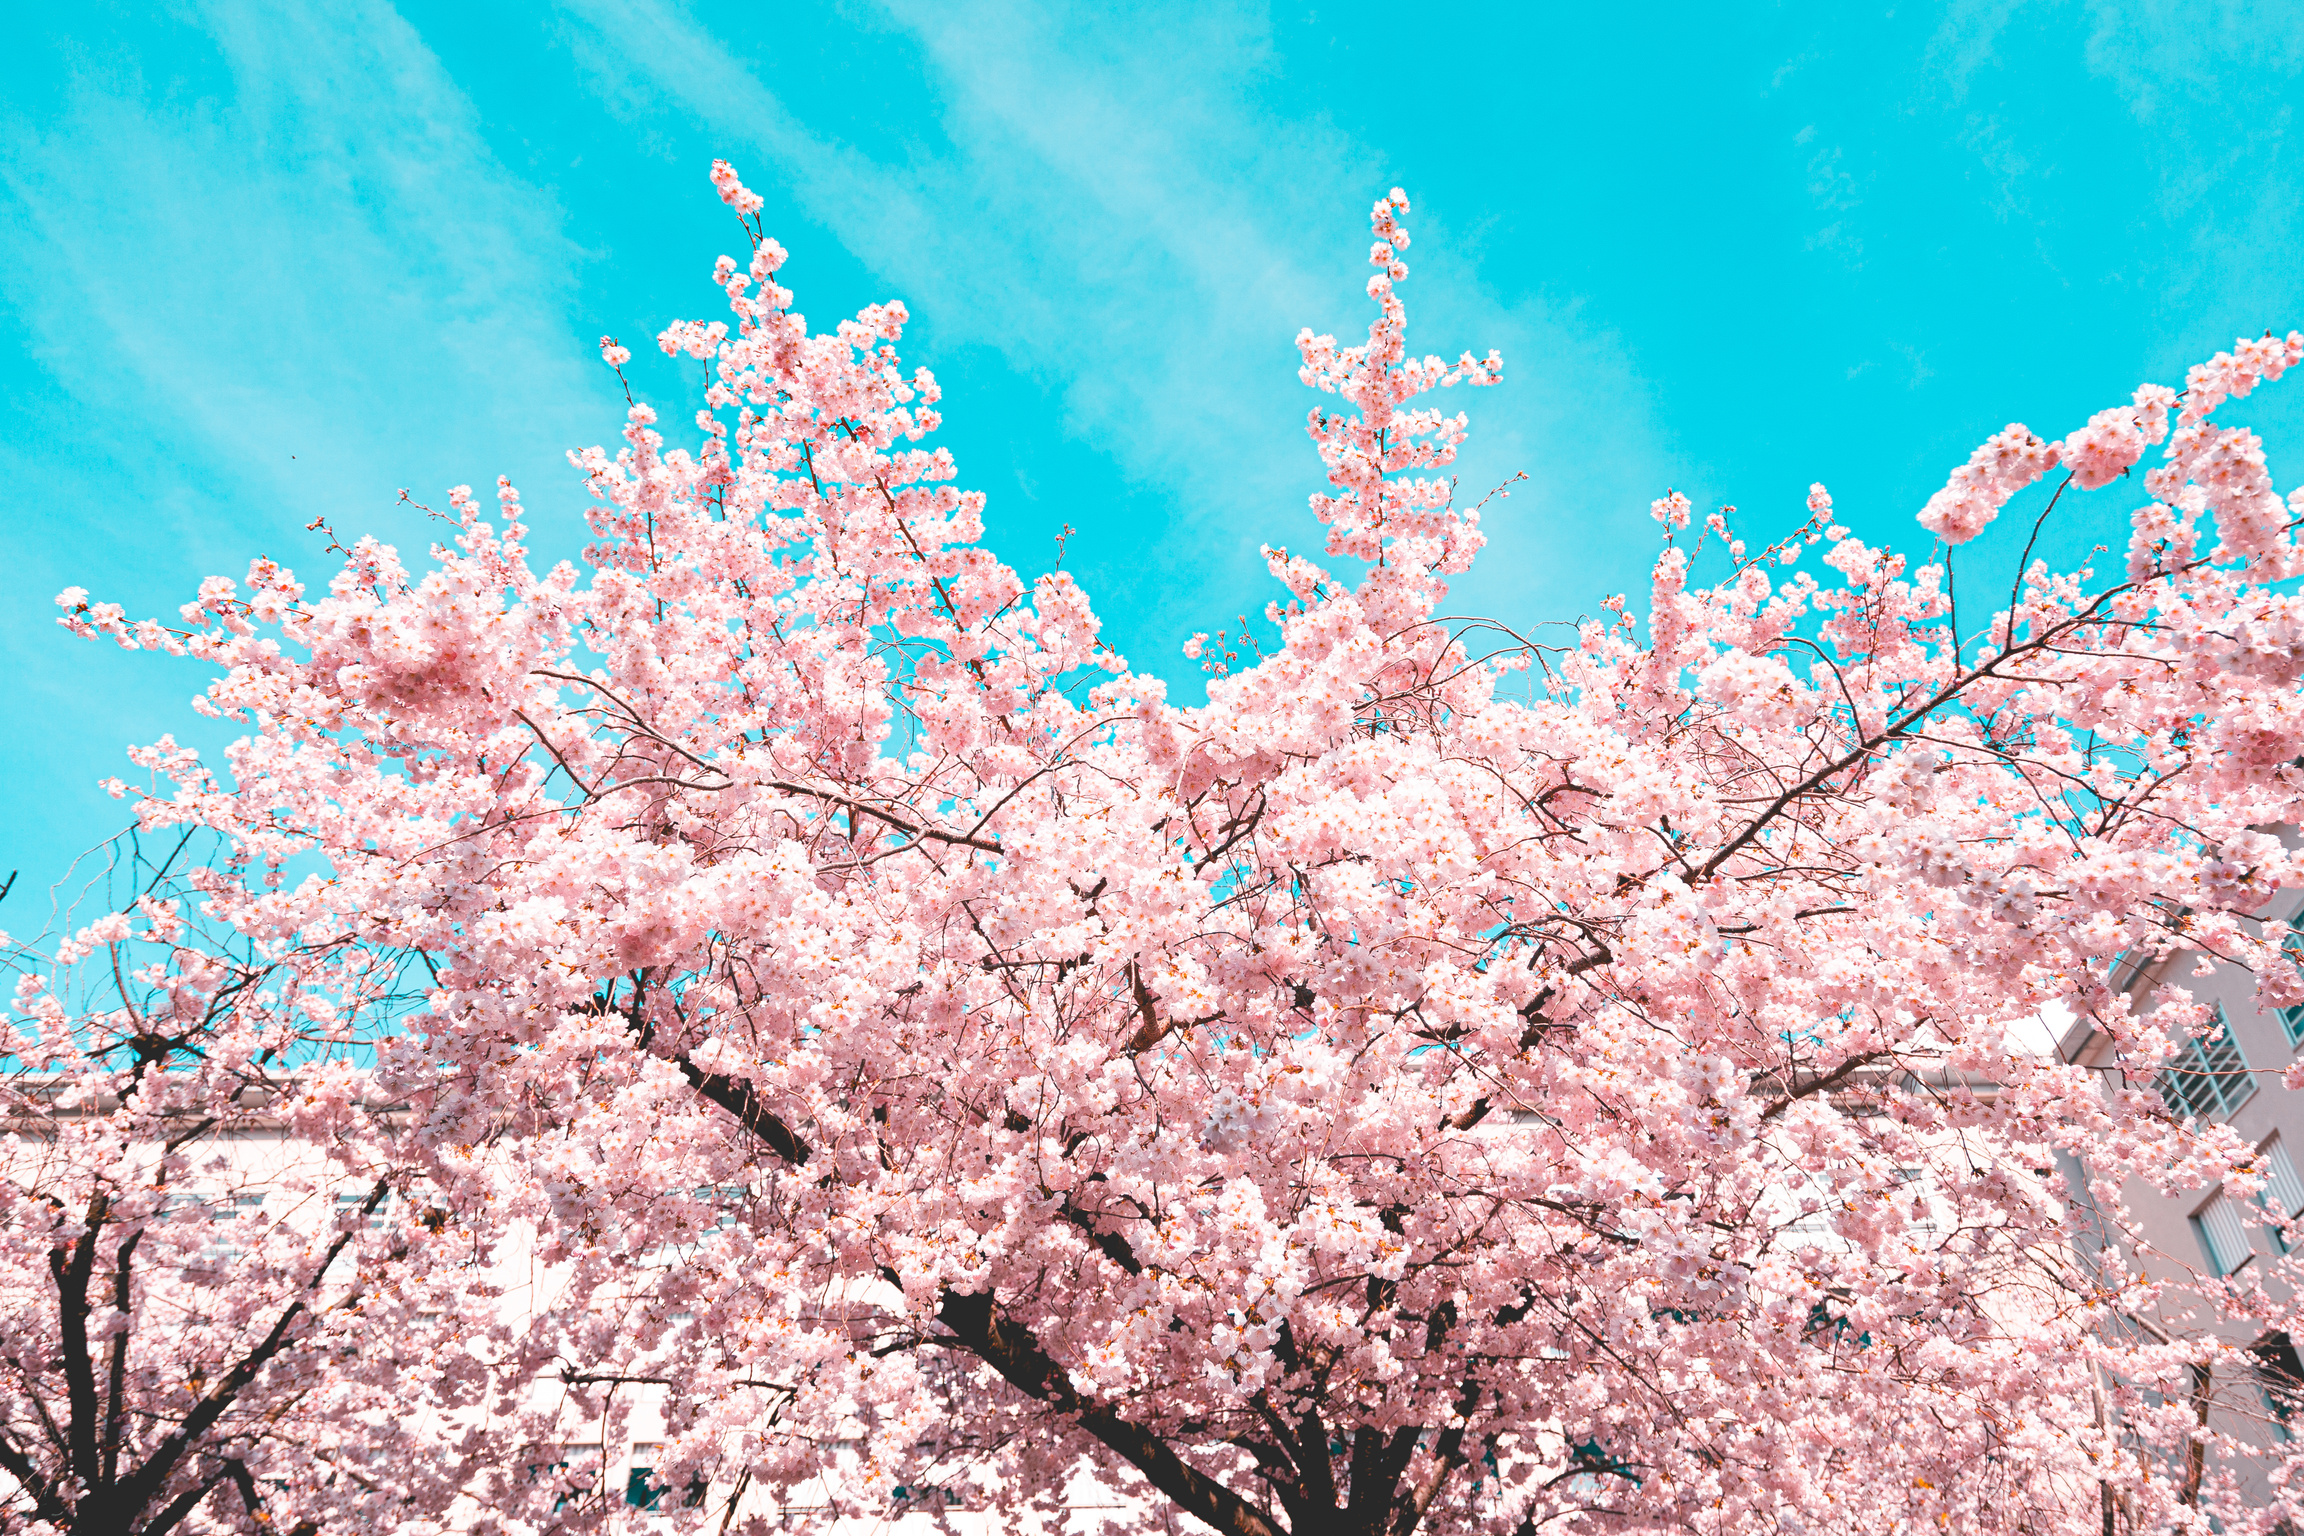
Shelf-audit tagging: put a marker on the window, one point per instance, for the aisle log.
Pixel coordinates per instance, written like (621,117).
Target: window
(2280,1375)
(2292,1019)
(575,1467)
(642,1491)
(2283,1196)
(639,1492)
(932,1498)
(2283,1191)
(225,1213)
(2222,1237)
(1827,1330)
(348,1209)
(2208,1076)
(1589,1460)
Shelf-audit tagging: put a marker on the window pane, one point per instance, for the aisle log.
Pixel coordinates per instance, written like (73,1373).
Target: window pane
(579,1468)
(2208,1077)
(2188,1090)
(2281,1375)
(2292,1019)
(2222,1236)
(639,1491)
(2282,1189)
(2227,1068)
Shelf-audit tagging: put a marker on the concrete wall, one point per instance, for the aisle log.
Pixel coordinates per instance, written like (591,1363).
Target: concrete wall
(2175,1236)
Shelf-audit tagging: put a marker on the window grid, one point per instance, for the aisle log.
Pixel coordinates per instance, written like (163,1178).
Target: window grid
(2222,1237)
(2283,1194)
(2292,1019)
(348,1208)
(642,1491)
(225,1213)
(2209,1076)
(583,1461)
(2280,1375)
(2282,1188)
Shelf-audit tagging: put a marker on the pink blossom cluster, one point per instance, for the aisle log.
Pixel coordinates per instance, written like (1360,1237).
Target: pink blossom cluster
(1383,510)
(189,1342)
(1426,1087)
(2109,446)
(2007,462)
(732,191)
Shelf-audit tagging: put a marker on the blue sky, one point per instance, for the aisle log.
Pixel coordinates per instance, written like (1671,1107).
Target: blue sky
(267,262)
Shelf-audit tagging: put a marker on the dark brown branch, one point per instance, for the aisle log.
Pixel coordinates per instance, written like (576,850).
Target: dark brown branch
(1469,1118)
(1816,1085)
(589,792)
(742,1101)
(46,1506)
(1448,1455)
(1111,1244)
(146,1484)
(916,831)
(612,1379)
(117,1377)
(978,1326)
(237,1470)
(2196,1448)
(1870,744)
(72,1269)
(177,1508)
(1154,1029)
(977,1323)
(1601,956)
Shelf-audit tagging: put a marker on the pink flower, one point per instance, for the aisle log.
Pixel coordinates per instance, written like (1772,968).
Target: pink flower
(2007,462)
(1556,1055)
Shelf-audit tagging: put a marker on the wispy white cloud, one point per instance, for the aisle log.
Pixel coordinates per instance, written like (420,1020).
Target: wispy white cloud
(1967,39)
(2214,84)
(318,257)
(2169,59)
(2212,88)
(261,267)
(1110,208)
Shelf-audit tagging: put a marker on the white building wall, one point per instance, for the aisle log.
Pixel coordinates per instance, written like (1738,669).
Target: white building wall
(2193,1239)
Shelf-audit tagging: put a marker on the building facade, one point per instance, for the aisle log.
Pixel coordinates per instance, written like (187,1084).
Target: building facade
(2202,1243)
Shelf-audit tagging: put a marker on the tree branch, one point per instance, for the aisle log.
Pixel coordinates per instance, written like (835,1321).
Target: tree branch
(1829,1080)
(117,1377)
(742,1101)
(1012,1351)
(72,1274)
(19,1466)
(910,829)
(136,1491)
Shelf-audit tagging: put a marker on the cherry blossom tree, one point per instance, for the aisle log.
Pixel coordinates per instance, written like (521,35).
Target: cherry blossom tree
(1451,1080)
(218,1280)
